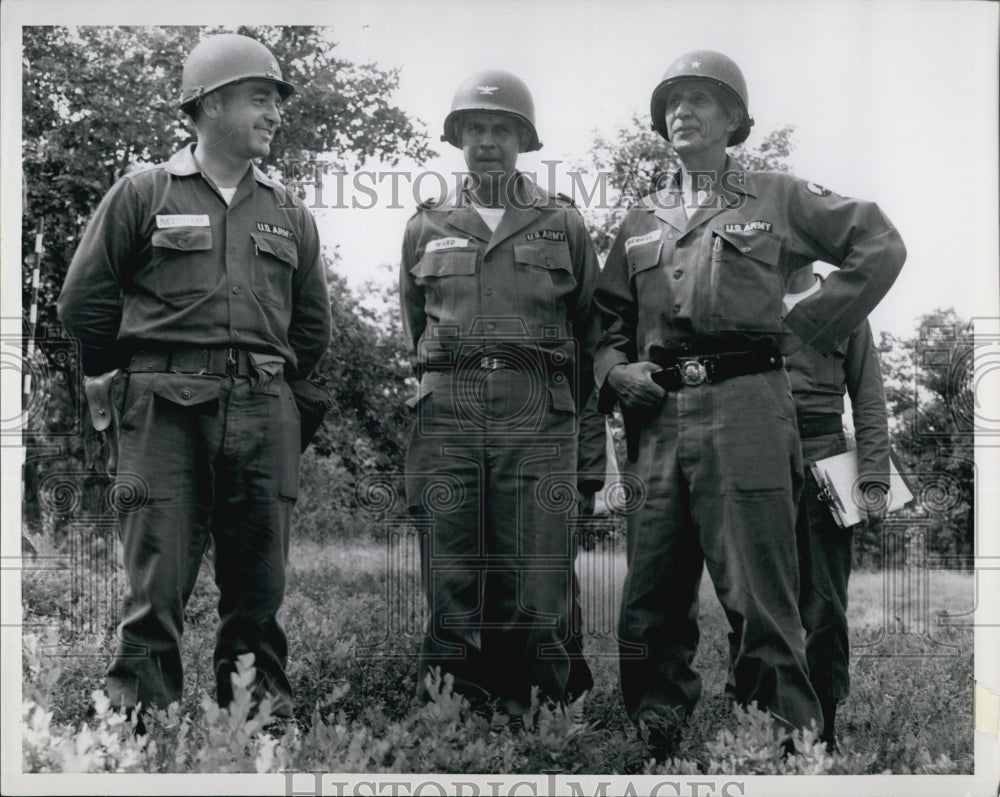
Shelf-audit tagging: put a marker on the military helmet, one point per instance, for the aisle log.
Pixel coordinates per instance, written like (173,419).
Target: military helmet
(227,58)
(493,91)
(710,66)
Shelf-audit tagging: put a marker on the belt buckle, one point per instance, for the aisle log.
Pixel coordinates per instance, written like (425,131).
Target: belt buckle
(693,372)
(491,363)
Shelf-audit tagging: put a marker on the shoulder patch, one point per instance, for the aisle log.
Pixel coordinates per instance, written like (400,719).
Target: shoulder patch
(817,189)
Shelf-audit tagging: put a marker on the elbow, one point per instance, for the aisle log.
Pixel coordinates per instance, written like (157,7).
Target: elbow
(897,252)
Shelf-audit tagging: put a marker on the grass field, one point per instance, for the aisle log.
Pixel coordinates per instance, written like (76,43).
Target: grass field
(353,614)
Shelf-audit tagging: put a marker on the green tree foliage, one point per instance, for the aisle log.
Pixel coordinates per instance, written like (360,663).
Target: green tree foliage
(929,392)
(636,161)
(101,101)
(367,369)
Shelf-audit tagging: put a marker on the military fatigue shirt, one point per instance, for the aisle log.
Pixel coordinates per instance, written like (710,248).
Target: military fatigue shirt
(714,279)
(467,291)
(818,386)
(166,261)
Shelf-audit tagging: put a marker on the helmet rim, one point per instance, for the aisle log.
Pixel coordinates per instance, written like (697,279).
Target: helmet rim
(515,101)
(718,62)
(224,60)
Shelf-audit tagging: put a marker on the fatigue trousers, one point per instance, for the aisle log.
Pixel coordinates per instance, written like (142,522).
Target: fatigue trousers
(491,480)
(824,570)
(207,457)
(722,471)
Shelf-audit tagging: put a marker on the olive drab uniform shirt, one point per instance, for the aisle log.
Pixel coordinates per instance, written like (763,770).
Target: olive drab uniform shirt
(166,261)
(715,275)
(465,289)
(818,385)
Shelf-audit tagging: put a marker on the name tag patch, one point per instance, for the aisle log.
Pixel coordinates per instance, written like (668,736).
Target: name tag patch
(274,229)
(166,221)
(546,235)
(446,243)
(639,240)
(750,226)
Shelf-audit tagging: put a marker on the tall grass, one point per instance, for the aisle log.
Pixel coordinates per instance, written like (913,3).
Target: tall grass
(353,614)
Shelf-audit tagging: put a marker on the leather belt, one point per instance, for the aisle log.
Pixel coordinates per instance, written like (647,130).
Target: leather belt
(500,361)
(816,425)
(214,362)
(695,370)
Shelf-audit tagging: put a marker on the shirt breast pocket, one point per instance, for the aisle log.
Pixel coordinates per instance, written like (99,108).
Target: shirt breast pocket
(642,258)
(181,263)
(449,277)
(548,269)
(747,284)
(271,271)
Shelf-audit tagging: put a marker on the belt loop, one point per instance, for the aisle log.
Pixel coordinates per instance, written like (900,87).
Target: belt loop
(231,364)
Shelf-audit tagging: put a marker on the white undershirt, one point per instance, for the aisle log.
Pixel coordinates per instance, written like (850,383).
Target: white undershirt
(792,299)
(228,194)
(491,216)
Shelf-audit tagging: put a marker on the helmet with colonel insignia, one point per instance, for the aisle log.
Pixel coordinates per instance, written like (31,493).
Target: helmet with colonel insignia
(493,91)
(224,59)
(715,68)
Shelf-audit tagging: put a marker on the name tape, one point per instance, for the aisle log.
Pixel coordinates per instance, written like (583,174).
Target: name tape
(164,222)
(639,240)
(446,243)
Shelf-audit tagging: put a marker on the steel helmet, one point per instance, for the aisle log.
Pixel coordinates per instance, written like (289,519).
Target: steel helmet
(228,58)
(710,66)
(493,91)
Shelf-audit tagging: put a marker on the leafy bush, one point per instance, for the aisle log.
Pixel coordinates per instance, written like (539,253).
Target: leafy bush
(355,679)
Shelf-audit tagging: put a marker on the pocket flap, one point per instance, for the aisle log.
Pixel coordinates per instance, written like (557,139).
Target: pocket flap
(643,257)
(187,391)
(446,264)
(183,239)
(562,397)
(761,246)
(278,248)
(544,256)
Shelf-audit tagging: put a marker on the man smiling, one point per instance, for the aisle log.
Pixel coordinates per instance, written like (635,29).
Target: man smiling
(197,288)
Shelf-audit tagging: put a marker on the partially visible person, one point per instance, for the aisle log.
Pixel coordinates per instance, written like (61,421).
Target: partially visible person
(818,386)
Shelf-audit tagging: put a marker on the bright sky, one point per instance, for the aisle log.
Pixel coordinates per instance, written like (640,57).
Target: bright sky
(892,101)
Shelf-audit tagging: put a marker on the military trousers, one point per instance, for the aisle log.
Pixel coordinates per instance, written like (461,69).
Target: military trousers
(204,457)
(825,552)
(491,482)
(722,472)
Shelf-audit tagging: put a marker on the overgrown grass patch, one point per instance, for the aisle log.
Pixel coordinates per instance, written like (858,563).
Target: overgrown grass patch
(353,625)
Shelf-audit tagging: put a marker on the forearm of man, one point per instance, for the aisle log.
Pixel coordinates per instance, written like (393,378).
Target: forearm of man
(867,393)
(90,303)
(310,329)
(860,240)
(617,307)
(585,319)
(411,301)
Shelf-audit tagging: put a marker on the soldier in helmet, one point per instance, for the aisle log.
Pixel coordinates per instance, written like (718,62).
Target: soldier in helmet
(196,292)
(496,283)
(695,329)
